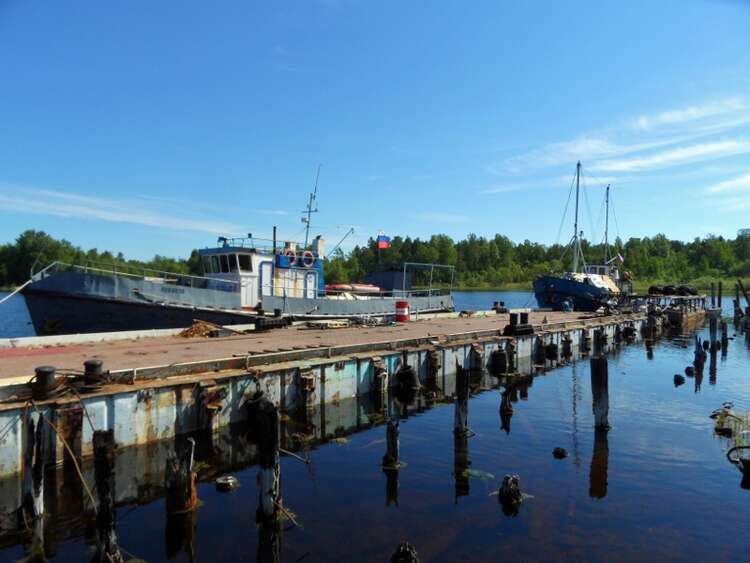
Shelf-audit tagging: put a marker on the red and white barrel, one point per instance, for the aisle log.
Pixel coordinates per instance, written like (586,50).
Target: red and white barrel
(402,311)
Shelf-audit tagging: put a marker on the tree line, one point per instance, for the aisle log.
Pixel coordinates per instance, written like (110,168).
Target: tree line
(478,261)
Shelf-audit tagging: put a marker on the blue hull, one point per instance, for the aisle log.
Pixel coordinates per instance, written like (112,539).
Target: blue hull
(553,292)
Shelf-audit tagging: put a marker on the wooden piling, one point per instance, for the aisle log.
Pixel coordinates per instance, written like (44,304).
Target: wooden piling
(718,300)
(391,459)
(600,391)
(32,505)
(713,295)
(269,474)
(106,516)
(461,416)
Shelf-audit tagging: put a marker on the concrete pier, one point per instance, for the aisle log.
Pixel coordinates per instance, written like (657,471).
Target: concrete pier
(142,401)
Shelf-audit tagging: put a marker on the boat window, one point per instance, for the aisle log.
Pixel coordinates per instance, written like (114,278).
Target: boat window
(602,271)
(246,264)
(215,264)
(224,264)
(206,264)
(232,262)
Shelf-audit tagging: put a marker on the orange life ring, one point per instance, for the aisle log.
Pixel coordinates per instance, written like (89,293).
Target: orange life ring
(292,256)
(308,259)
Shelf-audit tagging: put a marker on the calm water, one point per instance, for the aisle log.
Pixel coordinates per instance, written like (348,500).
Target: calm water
(655,487)
(15,320)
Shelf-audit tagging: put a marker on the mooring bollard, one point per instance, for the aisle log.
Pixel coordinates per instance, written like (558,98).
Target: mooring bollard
(106,516)
(600,391)
(598,473)
(461,415)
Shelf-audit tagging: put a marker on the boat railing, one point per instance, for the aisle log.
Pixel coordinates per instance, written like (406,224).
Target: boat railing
(159,276)
(291,290)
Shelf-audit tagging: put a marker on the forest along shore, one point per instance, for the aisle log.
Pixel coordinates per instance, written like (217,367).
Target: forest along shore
(481,262)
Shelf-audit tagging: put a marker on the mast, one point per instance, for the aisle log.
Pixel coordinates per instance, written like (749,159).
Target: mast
(606,227)
(310,209)
(576,243)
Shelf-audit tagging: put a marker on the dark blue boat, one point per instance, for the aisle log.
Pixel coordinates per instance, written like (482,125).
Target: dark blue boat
(594,287)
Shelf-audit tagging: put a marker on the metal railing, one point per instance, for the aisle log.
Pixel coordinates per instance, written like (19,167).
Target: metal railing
(173,278)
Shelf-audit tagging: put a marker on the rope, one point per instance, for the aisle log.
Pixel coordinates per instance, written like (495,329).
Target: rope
(565,211)
(15,291)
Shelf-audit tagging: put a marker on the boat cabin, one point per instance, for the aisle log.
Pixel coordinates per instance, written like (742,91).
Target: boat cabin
(266,271)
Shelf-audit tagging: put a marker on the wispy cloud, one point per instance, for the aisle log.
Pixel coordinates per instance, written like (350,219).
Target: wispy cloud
(73,206)
(675,156)
(442,217)
(691,113)
(738,184)
(684,135)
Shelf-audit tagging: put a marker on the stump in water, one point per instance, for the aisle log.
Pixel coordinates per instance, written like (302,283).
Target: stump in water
(405,553)
(510,494)
(600,391)
(461,416)
(391,458)
(180,481)
(106,517)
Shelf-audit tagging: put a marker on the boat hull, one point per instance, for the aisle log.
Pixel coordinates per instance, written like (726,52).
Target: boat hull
(553,292)
(57,313)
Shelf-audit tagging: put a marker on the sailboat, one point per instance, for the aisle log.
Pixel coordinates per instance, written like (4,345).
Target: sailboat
(594,286)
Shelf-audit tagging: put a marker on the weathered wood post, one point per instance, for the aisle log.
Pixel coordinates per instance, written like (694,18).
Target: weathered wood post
(718,300)
(599,464)
(268,514)
(391,459)
(724,337)
(29,516)
(713,322)
(713,295)
(600,391)
(461,416)
(269,475)
(106,516)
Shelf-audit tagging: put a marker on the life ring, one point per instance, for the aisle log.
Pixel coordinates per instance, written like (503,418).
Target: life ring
(308,259)
(292,255)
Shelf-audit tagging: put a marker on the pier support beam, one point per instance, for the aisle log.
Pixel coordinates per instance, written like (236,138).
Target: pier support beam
(391,462)
(600,391)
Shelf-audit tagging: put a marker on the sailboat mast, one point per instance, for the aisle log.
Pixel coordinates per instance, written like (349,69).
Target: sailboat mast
(606,228)
(576,243)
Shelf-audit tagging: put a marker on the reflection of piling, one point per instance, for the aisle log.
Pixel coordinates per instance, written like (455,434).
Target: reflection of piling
(599,464)
(461,464)
(724,337)
(461,417)
(600,391)
(712,367)
(180,481)
(269,476)
(106,517)
(506,411)
(391,462)
(713,324)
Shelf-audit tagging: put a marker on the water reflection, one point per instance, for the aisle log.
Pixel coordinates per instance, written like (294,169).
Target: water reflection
(599,464)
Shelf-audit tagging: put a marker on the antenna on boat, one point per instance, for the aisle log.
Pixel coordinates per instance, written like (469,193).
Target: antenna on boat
(576,241)
(606,226)
(310,210)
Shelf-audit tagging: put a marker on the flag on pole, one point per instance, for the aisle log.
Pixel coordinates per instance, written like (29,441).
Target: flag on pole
(383,242)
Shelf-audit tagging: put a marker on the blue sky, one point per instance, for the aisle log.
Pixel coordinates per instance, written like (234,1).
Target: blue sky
(151,127)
